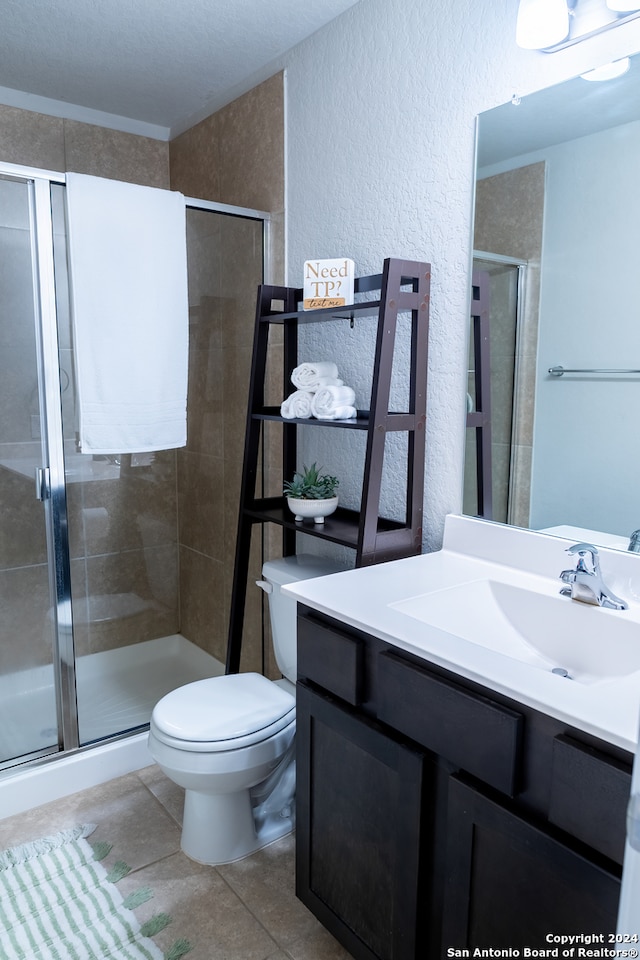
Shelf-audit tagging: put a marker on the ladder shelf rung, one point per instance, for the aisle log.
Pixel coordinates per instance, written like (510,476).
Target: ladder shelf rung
(391,421)
(325,313)
(340,527)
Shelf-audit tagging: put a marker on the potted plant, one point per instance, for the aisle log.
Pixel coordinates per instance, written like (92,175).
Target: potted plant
(311,493)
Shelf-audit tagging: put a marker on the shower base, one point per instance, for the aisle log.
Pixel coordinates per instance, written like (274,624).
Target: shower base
(117,691)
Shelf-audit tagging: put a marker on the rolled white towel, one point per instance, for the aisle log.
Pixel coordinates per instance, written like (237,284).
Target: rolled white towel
(334,403)
(312,376)
(297,405)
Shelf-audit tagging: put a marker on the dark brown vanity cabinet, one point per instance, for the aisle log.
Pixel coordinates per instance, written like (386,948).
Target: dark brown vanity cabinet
(435,815)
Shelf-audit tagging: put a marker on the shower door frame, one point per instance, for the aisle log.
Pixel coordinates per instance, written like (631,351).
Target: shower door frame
(249,214)
(50,485)
(50,481)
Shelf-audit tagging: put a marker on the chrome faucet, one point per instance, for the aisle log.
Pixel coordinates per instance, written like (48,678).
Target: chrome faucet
(634,542)
(585,583)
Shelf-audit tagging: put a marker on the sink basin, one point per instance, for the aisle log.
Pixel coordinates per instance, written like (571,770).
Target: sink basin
(549,632)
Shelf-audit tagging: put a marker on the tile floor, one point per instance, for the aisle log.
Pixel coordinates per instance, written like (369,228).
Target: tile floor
(242,911)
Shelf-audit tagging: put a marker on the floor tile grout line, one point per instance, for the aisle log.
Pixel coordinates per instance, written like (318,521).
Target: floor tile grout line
(154,863)
(278,947)
(159,801)
(251,911)
(276,943)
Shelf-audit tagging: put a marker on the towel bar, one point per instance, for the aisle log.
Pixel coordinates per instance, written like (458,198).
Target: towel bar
(560,371)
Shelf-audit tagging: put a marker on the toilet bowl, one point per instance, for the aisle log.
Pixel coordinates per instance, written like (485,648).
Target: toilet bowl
(229,741)
(217,738)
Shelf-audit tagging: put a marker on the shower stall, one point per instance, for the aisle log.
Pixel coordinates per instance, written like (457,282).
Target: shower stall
(107,563)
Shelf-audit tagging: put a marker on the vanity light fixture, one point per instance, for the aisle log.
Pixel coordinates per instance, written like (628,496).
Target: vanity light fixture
(551,25)
(608,71)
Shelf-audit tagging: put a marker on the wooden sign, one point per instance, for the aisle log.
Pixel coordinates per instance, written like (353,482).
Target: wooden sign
(327,283)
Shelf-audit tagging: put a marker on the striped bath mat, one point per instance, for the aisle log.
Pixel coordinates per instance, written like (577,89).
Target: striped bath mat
(57,902)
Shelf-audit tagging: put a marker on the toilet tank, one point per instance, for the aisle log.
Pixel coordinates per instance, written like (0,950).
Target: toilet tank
(282,609)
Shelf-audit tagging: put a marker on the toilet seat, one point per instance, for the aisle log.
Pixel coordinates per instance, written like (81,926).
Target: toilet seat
(222,713)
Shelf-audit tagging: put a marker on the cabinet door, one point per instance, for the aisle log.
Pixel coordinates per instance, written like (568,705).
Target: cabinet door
(358,842)
(509,883)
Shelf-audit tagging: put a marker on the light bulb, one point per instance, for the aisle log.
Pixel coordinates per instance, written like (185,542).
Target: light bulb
(609,71)
(623,6)
(541,23)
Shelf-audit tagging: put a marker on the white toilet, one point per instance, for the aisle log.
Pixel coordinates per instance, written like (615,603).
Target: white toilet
(229,741)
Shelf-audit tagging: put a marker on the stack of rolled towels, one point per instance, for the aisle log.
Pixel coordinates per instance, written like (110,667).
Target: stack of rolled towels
(319,393)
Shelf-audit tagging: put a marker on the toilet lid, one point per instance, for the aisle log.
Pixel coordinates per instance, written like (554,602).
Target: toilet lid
(223,708)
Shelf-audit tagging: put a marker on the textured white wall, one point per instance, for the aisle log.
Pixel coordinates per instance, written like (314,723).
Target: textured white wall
(381,107)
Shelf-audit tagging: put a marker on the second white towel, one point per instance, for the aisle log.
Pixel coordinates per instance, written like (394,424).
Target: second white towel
(334,403)
(297,405)
(312,376)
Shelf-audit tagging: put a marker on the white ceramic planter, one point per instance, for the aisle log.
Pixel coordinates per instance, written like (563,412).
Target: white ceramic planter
(312,509)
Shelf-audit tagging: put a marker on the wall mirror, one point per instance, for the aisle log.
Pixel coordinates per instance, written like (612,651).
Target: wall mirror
(553,422)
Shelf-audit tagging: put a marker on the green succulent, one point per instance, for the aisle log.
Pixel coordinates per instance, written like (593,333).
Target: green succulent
(310,484)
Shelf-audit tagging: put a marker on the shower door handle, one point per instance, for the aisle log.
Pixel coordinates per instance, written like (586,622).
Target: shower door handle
(43,486)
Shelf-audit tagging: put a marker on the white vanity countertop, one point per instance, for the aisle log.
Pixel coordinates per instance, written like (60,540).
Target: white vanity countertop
(474,550)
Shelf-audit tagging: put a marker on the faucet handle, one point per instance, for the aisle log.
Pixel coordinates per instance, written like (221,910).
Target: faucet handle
(582,549)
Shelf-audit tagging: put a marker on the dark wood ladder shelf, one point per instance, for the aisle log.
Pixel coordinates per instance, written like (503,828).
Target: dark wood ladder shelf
(404,287)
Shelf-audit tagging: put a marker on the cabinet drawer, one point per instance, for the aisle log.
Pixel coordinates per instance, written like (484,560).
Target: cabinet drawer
(471,731)
(589,796)
(332,659)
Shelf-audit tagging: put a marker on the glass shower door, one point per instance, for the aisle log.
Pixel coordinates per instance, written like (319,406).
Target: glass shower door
(107,562)
(30,718)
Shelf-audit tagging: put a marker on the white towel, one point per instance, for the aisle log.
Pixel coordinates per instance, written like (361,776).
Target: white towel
(312,376)
(128,267)
(334,403)
(297,405)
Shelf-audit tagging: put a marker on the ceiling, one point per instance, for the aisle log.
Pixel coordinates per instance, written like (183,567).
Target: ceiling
(158,65)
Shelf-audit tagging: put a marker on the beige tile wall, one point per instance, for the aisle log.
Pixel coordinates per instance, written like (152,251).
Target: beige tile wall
(235,156)
(31,139)
(51,143)
(115,155)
